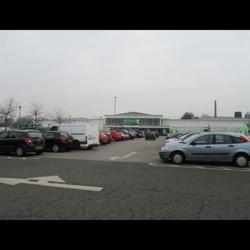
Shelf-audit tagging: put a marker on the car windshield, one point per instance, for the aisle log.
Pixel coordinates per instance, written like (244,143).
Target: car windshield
(184,137)
(190,138)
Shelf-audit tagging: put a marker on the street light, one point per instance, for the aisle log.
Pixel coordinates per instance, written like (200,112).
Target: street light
(19,120)
(115,105)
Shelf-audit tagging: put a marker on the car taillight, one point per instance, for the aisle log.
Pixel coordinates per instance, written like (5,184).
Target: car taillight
(243,138)
(27,140)
(62,139)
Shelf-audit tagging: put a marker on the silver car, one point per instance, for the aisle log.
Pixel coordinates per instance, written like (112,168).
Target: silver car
(209,146)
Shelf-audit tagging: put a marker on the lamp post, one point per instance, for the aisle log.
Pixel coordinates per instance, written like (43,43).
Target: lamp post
(115,105)
(19,120)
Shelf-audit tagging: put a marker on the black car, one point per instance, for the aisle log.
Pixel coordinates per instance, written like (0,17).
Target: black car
(21,142)
(139,133)
(150,135)
(57,141)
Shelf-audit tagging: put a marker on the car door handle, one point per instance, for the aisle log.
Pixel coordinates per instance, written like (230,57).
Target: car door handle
(208,147)
(230,146)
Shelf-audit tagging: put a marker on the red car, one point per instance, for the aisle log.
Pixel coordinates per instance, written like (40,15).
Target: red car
(125,136)
(109,136)
(103,138)
(116,135)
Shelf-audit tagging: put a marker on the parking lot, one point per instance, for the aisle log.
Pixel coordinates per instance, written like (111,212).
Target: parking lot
(121,180)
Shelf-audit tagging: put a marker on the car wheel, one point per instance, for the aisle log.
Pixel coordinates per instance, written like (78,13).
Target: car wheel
(55,148)
(20,151)
(241,160)
(177,158)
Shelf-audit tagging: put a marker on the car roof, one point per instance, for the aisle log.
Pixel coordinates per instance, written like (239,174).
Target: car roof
(220,133)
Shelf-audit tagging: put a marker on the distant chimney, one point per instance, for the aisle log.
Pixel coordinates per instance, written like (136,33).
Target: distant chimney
(215,109)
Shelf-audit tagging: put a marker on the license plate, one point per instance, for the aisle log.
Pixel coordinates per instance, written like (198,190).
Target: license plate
(70,140)
(39,147)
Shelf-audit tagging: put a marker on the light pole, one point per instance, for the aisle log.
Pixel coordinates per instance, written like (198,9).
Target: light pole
(19,120)
(115,105)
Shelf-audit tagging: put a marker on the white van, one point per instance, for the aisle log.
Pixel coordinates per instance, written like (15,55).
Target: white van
(86,135)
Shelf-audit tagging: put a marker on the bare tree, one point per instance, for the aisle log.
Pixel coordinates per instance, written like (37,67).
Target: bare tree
(59,116)
(37,112)
(188,115)
(7,111)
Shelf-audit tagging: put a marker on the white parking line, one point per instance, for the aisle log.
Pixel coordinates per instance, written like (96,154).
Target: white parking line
(122,157)
(199,167)
(128,155)
(114,158)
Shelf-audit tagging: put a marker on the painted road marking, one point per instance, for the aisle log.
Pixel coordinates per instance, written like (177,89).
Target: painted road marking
(198,167)
(114,158)
(128,155)
(122,157)
(48,181)
(23,158)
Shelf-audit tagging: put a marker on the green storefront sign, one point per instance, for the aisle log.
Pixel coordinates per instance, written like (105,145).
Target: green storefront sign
(174,130)
(244,130)
(131,121)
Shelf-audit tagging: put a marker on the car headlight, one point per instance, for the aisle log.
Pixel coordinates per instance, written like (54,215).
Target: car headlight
(164,148)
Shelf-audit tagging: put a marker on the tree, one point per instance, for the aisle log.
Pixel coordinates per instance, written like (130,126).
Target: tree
(37,112)
(23,120)
(7,112)
(58,116)
(188,115)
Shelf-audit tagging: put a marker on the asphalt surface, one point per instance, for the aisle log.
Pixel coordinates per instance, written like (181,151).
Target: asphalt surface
(137,186)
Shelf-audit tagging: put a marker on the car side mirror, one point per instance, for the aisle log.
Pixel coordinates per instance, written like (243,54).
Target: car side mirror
(193,143)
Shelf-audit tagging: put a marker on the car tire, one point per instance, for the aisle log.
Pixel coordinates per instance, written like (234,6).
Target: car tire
(20,151)
(177,158)
(241,160)
(55,148)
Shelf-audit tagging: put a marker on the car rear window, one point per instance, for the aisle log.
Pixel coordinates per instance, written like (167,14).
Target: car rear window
(65,134)
(34,134)
(240,139)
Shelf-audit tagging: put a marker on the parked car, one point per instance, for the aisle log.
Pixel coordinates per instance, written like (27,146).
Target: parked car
(126,134)
(209,146)
(57,141)
(139,133)
(116,135)
(85,135)
(156,133)
(169,136)
(103,138)
(108,134)
(132,134)
(180,138)
(21,142)
(150,135)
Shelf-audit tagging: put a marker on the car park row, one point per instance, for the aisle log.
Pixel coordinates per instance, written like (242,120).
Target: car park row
(21,142)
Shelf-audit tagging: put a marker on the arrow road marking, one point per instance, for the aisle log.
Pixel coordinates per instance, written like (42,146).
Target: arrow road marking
(114,158)
(49,181)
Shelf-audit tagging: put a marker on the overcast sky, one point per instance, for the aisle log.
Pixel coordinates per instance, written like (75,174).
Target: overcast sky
(157,72)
